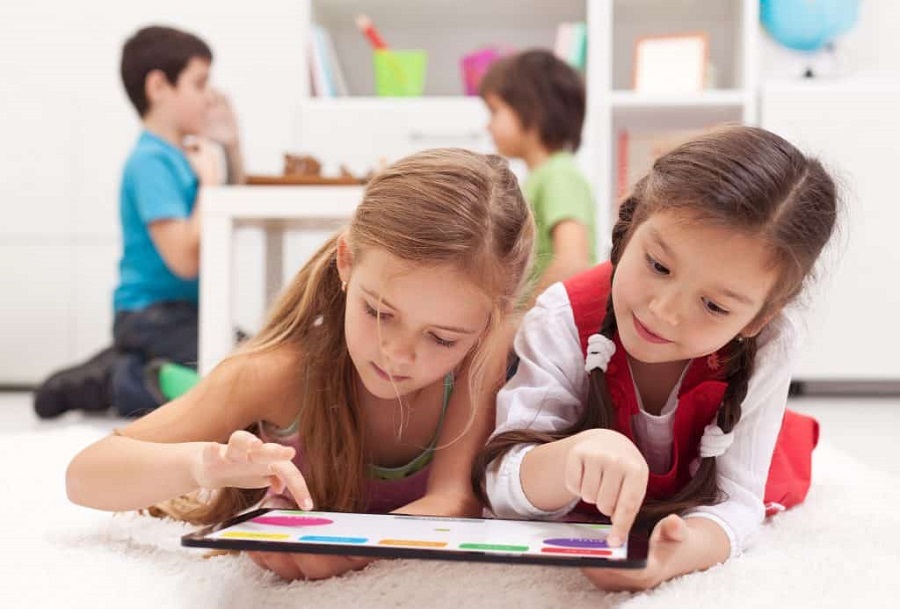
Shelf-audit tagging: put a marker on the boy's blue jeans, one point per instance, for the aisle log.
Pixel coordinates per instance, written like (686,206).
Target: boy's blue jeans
(166,330)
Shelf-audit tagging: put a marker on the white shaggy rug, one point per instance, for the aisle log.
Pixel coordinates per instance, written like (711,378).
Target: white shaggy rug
(840,549)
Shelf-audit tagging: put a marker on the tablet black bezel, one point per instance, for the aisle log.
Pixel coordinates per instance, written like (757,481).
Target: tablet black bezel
(637,548)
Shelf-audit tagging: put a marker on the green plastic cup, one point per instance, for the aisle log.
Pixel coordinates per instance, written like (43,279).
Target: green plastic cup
(400,73)
(175,380)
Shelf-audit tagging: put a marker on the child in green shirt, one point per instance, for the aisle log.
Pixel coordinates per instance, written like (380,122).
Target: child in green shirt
(537,105)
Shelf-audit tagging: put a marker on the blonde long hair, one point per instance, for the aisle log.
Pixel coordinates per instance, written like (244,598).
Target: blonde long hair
(442,206)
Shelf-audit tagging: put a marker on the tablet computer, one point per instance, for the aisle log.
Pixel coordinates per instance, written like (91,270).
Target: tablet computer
(573,544)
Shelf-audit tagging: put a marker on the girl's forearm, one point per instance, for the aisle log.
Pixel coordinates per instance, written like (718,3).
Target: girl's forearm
(705,545)
(543,475)
(120,474)
(434,504)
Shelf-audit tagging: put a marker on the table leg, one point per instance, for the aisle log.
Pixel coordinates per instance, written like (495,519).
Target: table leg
(274,260)
(216,294)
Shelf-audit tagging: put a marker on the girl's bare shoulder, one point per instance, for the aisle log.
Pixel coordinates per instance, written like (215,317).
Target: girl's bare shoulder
(240,391)
(272,381)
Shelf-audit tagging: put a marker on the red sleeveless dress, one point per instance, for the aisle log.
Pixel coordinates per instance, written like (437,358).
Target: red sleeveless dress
(699,398)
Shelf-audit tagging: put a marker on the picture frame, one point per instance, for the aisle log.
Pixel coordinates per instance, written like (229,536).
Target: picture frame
(671,63)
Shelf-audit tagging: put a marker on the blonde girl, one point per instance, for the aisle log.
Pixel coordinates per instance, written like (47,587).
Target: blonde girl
(370,386)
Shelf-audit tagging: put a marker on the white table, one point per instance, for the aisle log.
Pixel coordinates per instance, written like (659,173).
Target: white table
(273,208)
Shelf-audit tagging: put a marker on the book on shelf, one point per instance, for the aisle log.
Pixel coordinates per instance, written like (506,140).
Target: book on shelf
(571,43)
(326,76)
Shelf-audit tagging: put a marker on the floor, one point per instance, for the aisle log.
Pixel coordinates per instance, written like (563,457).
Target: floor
(865,427)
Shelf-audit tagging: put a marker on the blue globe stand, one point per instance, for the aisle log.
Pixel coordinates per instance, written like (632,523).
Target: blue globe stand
(808,26)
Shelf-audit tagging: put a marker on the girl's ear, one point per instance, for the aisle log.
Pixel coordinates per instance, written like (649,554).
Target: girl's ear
(344,258)
(756,326)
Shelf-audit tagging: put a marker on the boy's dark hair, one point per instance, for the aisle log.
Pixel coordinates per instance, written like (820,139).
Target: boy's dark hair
(545,92)
(157,48)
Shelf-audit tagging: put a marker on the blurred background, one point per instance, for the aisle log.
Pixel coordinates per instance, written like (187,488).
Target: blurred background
(302,80)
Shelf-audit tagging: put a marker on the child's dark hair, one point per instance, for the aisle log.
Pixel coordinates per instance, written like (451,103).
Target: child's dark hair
(743,178)
(157,48)
(544,91)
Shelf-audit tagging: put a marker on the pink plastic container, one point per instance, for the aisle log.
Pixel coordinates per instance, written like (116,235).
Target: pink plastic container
(475,64)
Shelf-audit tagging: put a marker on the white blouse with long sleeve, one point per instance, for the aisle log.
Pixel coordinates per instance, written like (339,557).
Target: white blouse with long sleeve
(551,386)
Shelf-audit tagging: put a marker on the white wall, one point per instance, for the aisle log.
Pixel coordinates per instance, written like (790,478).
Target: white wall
(873,45)
(65,129)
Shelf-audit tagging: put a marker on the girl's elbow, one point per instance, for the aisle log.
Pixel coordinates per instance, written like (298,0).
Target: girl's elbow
(79,474)
(463,505)
(469,507)
(74,484)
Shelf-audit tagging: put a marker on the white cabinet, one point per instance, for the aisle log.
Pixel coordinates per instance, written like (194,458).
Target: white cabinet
(853,127)
(361,131)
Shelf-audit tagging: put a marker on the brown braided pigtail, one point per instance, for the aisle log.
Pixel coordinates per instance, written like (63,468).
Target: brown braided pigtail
(702,488)
(598,411)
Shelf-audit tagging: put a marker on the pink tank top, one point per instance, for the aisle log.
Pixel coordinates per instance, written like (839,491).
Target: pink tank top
(386,488)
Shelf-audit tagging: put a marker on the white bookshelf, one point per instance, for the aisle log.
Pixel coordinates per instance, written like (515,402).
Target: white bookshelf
(361,129)
(613,28)
(701,101)
(447,30)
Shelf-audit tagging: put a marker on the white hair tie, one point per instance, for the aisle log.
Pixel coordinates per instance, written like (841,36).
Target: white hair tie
(714,441)
(599,351)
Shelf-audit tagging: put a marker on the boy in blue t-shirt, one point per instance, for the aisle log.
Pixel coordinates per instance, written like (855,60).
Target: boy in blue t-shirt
(166,76)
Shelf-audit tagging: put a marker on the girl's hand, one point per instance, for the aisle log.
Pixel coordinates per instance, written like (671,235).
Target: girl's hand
(307,566)
(248,462)
(668,536)
(605,468)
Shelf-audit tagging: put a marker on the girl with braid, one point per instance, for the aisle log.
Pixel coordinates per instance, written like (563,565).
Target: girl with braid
(652,388)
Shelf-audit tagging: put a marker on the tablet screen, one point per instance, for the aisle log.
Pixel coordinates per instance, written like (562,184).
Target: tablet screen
(403,536)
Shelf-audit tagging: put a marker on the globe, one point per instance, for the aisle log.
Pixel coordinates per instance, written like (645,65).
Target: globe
(807,25)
